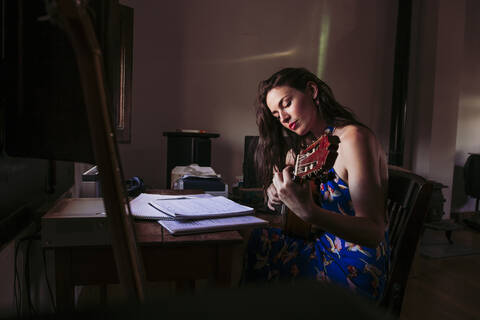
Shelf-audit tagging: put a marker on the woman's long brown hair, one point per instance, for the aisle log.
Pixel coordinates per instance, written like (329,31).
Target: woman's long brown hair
(274,140)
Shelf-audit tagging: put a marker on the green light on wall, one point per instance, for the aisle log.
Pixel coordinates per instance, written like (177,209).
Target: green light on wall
(323,43)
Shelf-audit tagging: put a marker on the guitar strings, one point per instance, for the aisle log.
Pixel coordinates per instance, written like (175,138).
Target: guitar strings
(308,166)
(304,167)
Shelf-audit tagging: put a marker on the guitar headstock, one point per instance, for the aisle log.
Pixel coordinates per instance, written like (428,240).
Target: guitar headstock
(317,159)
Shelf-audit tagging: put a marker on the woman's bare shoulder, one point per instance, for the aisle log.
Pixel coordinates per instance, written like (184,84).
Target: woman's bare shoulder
(354,134)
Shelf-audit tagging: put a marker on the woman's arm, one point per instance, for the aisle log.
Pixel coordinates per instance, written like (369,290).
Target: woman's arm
(359,155)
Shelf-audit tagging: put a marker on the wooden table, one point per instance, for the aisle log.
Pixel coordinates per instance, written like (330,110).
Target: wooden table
(165,257)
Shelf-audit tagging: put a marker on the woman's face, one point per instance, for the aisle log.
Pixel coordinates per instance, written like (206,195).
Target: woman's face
(295,109)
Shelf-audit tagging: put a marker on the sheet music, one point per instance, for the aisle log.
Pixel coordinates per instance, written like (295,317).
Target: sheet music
(141,208)
(194,208)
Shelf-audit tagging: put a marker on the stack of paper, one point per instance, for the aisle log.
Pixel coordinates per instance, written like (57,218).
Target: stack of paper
(209,225)
(194,213)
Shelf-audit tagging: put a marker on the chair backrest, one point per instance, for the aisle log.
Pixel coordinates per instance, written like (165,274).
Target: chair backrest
(407,202)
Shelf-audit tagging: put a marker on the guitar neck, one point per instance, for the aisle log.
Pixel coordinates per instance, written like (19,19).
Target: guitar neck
(317,159)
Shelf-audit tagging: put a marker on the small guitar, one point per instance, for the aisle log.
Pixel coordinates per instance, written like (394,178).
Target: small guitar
(314,162)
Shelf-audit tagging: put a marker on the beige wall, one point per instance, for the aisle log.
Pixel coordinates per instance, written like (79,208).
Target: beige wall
(437,60)
(441,107)
(468,131)
(197,65)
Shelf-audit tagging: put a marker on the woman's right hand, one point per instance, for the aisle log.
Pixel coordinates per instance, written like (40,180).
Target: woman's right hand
(273,199)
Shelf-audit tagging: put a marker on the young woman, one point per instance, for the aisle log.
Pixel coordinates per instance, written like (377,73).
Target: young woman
(294,107)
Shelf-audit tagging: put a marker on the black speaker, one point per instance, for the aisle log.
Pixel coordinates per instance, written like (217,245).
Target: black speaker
(250,179)
(471,172)
(185,148)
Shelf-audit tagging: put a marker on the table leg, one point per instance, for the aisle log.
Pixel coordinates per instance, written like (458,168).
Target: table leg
(448,234)
(223,274)
(64,288)
(103,295)
(184,286)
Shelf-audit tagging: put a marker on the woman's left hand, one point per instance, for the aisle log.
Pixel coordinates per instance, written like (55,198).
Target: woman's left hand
(296,196)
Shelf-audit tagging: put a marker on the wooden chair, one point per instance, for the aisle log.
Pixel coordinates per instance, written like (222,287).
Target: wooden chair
(407,202)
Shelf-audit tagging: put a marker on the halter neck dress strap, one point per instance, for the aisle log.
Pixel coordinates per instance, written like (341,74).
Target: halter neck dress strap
(329,129)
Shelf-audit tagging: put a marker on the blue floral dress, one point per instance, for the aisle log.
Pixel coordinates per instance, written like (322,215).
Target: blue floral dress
(272,255)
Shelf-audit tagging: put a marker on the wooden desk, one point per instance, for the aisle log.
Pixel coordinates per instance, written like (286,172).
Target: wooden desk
(165,258)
